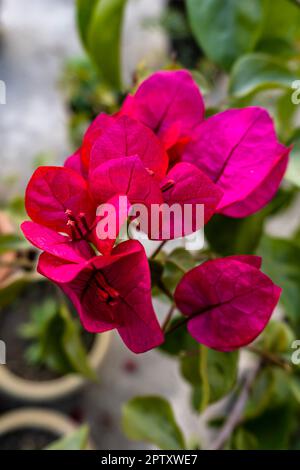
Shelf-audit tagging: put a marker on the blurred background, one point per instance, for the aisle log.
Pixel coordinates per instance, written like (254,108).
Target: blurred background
(54,87)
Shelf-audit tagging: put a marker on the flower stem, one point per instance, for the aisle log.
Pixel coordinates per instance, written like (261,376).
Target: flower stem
(158,249)
(168,317)
(271,358)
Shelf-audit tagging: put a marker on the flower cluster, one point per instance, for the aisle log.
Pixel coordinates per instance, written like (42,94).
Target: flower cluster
(159,149)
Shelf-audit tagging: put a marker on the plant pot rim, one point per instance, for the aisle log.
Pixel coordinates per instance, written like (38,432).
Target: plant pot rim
(39,418)
(52,390)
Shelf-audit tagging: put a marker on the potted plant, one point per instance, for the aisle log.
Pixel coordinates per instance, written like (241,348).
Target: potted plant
(36,429)
(48,355)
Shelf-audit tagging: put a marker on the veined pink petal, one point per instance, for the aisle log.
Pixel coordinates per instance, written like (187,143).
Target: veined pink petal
(124,176)
(52,191)
(121,209)
(94,131)
(74,163)
(127,137)
(264,192)
(229,302)
(111,291)
(239,151)
(189,187)
(167,100)
(59,270)
(56,244)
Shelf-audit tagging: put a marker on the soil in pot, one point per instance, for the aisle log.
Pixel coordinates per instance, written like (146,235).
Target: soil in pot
(27,439)
(15,315)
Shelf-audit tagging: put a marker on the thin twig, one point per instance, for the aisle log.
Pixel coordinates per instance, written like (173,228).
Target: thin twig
(177,325)
(237,410)
(168,317)
(269,357)
(160,246)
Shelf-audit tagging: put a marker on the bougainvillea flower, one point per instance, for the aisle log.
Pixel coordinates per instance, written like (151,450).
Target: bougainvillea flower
(170,103)
(124,176)
(239,151)
(127,137)
(59,199)
(186,184)
(54,243)
(98,126)
(229,301)
(112,291)
(74,162)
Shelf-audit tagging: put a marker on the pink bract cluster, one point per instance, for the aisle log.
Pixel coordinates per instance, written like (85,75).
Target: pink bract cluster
(159,149)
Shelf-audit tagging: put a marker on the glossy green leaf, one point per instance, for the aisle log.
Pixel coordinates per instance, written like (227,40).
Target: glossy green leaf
(229,236)
(177,264)
(281,261)
(73,345)
(281,20)
(151,419)
(179,341)
(225,30)
(273,428)
(244,440)
(293,171)
(258,71)
(104,40)
(84,14)
(212,374)
(55,340)
(277,337)
(77,440)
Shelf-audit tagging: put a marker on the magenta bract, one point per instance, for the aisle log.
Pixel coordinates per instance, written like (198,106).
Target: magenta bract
(112,291)
(229,301)
(238,148)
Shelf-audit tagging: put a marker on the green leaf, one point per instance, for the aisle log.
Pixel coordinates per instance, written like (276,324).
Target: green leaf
(244,440)
(270,390)
(281,261)
(176,265)
(73,346)
(84,14)
(151,419)
(104,40)
(265,428)
(295,388)
(285,116)
(281,21)
(211,373)
(260,394)
(225,30)
(229,236)
(56,341)
(258,71)
(293,171)
(277,337)
(179,341)
(77,440)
